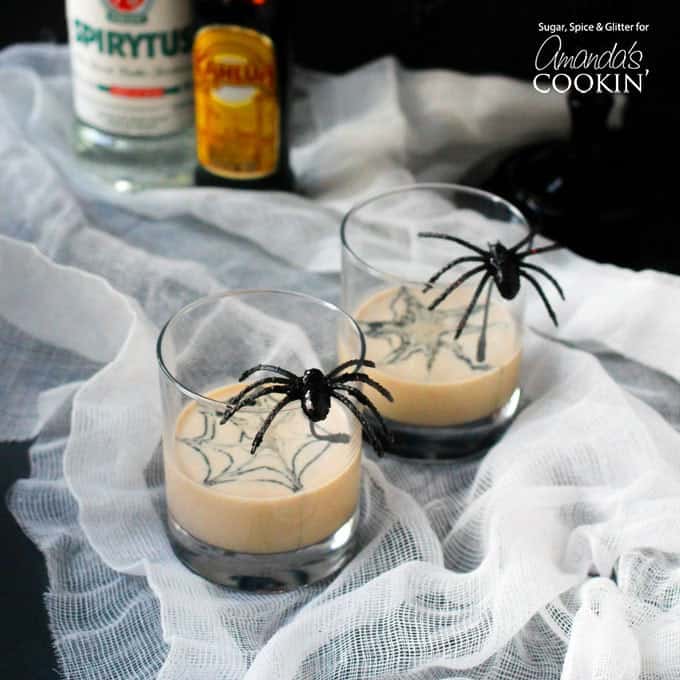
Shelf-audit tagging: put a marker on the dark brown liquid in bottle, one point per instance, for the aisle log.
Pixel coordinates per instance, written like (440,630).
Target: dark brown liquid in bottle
(236,156)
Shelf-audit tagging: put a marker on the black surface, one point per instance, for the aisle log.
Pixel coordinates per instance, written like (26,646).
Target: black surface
(26,644)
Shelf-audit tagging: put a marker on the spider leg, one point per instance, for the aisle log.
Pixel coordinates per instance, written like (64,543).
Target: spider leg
(363,378)
(351,406)
(455,239)
(373,438)
(258,383)
(471,306)
(231,408)
(257,439)
(271,389)
(455,285)
(538,251)
(267,367)
(547,275)
(481,344)
(351,362)
(365,401)
(446,267)
(538,288)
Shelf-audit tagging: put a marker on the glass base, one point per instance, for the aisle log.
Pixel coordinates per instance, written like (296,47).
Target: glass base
(266,571)
(135,163)
(458,442)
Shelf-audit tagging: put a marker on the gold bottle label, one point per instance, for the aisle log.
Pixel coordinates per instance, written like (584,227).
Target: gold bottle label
(237,108)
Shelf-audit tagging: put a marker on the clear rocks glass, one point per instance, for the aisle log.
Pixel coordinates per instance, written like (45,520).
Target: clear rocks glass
(453,396)
(286,515)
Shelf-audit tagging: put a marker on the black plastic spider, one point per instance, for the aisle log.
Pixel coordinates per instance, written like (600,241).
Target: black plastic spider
(314,389)
(505,266)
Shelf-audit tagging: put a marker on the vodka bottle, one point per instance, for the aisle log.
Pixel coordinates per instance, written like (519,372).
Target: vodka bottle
(132,89)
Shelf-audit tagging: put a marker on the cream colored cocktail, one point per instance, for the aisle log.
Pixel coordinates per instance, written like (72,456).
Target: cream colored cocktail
(435,379)
(300,486)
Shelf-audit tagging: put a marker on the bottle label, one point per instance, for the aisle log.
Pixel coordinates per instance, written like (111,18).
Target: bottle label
(237,108)
(131,63)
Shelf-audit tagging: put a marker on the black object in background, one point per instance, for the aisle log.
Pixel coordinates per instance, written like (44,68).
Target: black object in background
(597,193)
(609,194)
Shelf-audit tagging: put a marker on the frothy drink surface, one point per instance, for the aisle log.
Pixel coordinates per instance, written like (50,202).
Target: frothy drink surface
(435,379)
(298,488)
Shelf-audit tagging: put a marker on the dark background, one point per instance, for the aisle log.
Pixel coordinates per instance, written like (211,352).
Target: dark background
(482,36)
(475,36)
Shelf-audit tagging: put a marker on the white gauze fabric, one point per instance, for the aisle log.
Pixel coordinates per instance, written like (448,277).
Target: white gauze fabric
(555,556)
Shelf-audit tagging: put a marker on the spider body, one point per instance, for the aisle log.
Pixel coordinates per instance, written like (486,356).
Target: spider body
(505,267)
(316,395)
(314,391)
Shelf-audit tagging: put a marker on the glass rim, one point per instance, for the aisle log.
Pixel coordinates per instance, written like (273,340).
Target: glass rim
(214,297)
(461,188)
